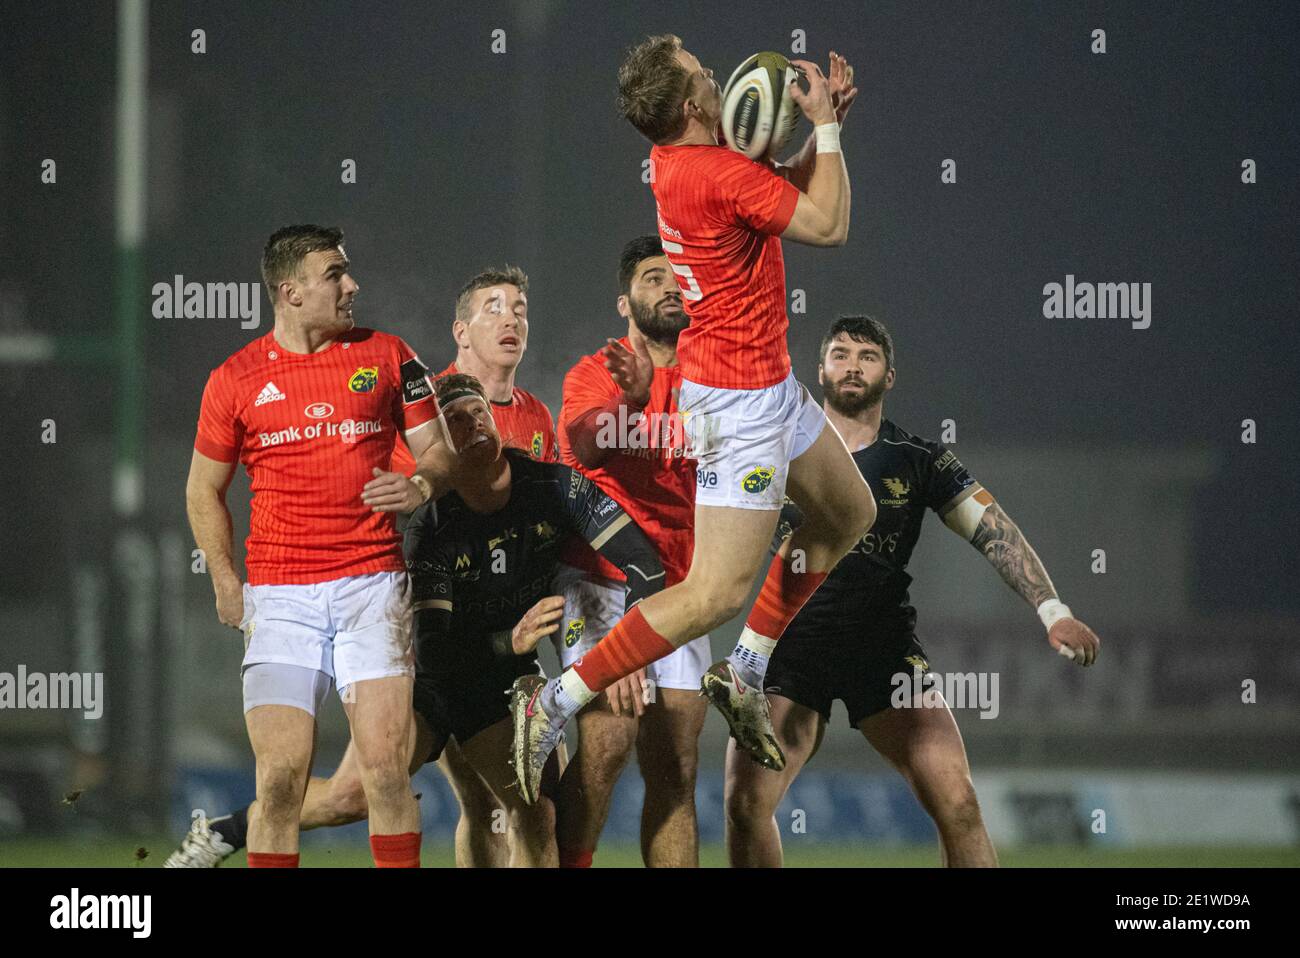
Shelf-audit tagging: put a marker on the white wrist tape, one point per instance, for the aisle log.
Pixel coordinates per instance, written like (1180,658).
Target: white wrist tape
(828,137)
(1052,611)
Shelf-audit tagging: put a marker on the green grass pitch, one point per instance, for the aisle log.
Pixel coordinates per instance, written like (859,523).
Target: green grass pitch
(41,853)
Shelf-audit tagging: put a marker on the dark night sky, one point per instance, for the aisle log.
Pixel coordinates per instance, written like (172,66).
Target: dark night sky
(1122,167)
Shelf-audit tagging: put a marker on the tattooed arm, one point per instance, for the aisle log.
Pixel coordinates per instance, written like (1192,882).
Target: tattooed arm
(976,516)
(1000,541)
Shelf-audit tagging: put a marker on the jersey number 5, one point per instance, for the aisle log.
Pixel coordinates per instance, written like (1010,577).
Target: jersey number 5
(692,291)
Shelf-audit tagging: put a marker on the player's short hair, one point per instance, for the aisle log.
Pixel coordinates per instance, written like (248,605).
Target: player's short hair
(492,276)
(864,329)
(653,87)
(641,248)
(451,386)
(288,247)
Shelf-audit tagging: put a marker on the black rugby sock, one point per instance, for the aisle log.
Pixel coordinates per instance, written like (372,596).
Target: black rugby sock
(233,828)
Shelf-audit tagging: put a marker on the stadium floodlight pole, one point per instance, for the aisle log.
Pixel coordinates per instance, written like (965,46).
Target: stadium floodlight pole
(128,304)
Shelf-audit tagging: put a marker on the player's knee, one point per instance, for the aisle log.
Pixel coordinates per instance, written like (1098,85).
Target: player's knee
(955,807)
(279,787)
(385,774)
(669,779)
(747,810)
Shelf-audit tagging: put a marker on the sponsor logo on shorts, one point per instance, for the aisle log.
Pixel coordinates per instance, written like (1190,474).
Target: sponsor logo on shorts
(758,479)
(573,634)
(319,410)
(538,445)
(364,379)
(898,489)
(706,478)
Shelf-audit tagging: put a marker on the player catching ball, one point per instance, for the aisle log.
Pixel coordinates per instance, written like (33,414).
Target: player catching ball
(855,638)
(754,430)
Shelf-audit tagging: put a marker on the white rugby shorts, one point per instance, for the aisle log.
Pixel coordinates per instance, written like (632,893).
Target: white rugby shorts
(352,629)
(593,605)
(743,440)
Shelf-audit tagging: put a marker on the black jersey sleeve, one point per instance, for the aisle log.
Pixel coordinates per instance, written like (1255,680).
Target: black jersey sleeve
(611,532)
(945,477)
(430,572)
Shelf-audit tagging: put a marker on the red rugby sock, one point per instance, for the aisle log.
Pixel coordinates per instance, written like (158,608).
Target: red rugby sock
(632,644)
(783,594)
(575,857)
(396,851)
(272,860)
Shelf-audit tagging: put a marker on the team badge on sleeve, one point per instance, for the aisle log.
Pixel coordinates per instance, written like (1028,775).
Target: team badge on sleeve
(415,381)
(538,446)
(758,479)
(573,634)
(364,379)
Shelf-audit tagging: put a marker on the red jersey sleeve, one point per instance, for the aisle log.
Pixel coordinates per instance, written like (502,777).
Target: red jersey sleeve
(220,434)
(415,404)
(551,448)
(587,386)
(757,196)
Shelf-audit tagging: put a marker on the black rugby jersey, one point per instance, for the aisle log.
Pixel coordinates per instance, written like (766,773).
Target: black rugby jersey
(907,475)
(479,573)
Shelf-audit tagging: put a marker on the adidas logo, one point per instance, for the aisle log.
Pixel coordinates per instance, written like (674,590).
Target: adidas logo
(270,393)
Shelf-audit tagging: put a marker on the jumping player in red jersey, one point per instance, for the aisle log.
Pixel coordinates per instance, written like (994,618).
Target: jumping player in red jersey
(491,333)
(755,432)
(312,410)
(619,426)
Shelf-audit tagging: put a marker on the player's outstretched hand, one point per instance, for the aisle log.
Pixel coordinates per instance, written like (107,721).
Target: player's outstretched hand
(632,370)
(816,103)
(391,492)
(627,695)
(1074,640)
(538,622)
(843,92)
(230,601)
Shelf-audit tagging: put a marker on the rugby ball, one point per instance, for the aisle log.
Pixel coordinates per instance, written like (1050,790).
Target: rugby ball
(758,113)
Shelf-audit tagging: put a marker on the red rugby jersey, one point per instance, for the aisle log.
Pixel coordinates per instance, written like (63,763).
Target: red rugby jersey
(719,218)
(524,423)
(655,484)
(309,428)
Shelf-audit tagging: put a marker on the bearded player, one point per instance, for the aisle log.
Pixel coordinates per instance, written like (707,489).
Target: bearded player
(855,638)
(313,409)
(491,333)
(619,427)
(754,430)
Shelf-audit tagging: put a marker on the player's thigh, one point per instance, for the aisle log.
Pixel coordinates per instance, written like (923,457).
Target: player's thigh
(752,791)
(668,741)
(923,743)
(281,735)
(730,548)
(381,717)
(605,740)
(484,753)
(827,486)
(471,791)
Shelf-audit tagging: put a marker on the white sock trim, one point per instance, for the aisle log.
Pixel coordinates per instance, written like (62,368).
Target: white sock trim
(749,639)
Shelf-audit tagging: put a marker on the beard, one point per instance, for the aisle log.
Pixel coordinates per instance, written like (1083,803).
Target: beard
(850,404)
(656,324)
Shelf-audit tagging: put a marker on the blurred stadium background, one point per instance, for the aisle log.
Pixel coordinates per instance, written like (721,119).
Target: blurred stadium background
(1093,435)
